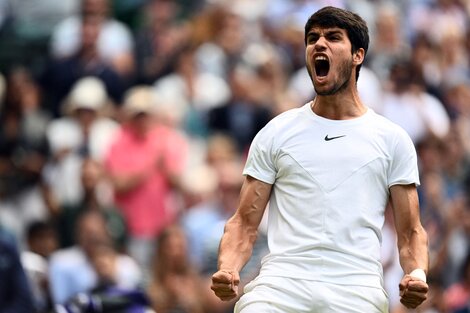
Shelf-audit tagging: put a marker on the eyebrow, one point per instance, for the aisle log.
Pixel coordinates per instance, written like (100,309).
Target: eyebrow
(327,33)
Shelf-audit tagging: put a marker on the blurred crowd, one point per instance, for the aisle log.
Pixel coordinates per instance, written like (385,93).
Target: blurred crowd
(124,127)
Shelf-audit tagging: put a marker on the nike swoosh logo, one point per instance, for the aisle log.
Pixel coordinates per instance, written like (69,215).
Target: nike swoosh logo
(331,138)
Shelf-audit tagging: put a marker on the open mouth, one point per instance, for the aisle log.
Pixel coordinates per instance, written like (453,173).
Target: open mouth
(322,66)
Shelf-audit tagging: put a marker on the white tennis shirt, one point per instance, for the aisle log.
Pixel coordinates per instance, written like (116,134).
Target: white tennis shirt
(331,182)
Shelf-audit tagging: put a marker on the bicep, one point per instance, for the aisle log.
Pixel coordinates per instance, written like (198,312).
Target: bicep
(405,204)
(254,197)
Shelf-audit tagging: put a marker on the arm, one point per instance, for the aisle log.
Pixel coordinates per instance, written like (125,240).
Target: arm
(239,237)
(124,183)
(412,243)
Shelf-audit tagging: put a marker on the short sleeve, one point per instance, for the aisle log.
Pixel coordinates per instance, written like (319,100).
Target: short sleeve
(404,164)
(260,162)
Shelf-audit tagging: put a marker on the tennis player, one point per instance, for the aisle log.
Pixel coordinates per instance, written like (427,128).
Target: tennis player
(328,170)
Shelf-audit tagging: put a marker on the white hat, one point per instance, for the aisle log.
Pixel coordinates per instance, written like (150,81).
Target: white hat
(87,93)
(139,99)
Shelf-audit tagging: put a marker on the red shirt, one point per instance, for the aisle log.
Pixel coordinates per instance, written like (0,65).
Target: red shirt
(148,207)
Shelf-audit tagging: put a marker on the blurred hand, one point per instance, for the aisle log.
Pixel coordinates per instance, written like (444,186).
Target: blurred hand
(225,284)
(413,291)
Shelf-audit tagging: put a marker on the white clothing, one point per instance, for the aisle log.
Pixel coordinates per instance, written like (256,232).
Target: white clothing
(174,90)
(419,114)
(287,295)
(66,133)
(19,211)
(36,268)
(331,182)
(64,175)
(114,39)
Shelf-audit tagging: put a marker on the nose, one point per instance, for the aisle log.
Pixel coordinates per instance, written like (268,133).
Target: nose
(320,44)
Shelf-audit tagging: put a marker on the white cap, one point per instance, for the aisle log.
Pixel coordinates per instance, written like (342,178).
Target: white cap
(87,93)
(139,99)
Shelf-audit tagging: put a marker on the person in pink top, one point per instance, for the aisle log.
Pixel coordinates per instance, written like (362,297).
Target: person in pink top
(144,164)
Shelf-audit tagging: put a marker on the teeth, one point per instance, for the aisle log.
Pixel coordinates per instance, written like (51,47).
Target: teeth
(321,58)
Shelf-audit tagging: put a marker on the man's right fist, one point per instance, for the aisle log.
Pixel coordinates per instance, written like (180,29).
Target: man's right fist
(225,284)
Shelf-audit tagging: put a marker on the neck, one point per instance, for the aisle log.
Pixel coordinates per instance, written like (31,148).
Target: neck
(340,106)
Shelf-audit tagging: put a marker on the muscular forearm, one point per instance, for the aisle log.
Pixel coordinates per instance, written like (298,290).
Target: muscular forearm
(413,249)
(239,237)
(242,229)
(236,245)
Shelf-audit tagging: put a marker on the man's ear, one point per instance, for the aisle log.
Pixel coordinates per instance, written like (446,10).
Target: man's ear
(358,56)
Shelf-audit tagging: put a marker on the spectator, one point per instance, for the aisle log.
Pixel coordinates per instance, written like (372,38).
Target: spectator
(456,96)
(175,285)
(411,107)
(159,40)
(435,16)
(97,196)
(107,296)
(84,133)
(145,180)
(200,192)
(23,153)
(388,45)
(15,294)
(188,87)
(223,37)
(457,296)
(114,43)
(71,270)
(61,74)
(241,117)
(42,242)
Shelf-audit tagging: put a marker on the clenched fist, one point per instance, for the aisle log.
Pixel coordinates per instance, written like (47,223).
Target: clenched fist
(225,284)
(413,291)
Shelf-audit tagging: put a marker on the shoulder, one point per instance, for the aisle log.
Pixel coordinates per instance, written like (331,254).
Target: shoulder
(388,135)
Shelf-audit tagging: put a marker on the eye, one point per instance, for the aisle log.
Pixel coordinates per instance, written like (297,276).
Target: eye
(312,39)
(334,38)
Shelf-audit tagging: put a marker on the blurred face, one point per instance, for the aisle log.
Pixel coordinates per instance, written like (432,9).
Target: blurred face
(91,229)
(230,36)
(329,60)
(85,117)
(174,250)
(91,173)
(90,32)
(95,7)
(141,123)
(44,244)
(104,262)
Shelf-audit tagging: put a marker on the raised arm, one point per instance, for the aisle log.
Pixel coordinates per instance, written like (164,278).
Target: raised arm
(239,237)
(412,244)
